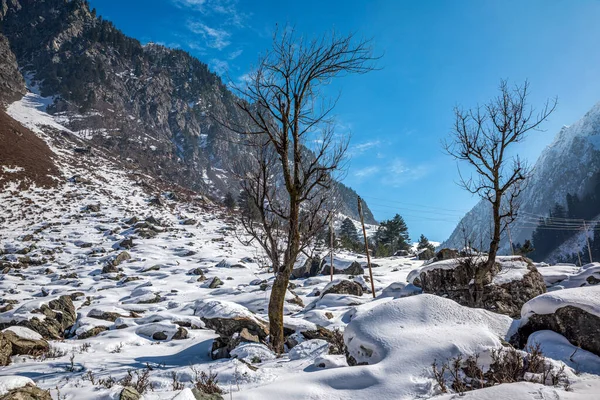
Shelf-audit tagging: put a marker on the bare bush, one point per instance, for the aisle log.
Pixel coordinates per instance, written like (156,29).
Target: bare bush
(206,383)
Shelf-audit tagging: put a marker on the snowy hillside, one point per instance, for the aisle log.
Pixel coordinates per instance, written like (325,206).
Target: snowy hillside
(151,269)
(565,167)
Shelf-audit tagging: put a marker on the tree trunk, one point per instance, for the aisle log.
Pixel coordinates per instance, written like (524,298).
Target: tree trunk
(482,271)
(276,309)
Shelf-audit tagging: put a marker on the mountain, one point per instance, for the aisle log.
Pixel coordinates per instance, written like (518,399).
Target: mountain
(147,104)
(567,166)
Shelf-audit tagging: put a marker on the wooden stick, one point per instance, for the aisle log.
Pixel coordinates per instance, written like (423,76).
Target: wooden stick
(587,238)
(362,221)
(331,246)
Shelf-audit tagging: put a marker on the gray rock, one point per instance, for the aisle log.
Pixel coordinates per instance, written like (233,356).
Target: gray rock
(215,283)
(181,333)
(578,326)
(354,269)
(204,396)
(95,331)
(5,350)
(27,392)
(159,336)
(24,346)
(129,393)
(345,287)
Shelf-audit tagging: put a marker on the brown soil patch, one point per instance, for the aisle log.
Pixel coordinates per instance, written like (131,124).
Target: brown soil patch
(22,149)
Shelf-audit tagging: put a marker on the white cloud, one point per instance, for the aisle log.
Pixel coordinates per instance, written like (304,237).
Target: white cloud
(366,172)
(219,66)
(215,38)
(399,173)
(235,54)
(362,147)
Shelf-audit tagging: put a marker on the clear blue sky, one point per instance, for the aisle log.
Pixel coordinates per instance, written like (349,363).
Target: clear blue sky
(436,54)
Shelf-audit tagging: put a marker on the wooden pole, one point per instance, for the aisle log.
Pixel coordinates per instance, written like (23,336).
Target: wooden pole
(331,246)
(579,257)
(512,249)
(587,238)
(362,221)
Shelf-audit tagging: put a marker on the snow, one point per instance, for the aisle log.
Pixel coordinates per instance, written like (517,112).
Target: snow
(557,347)
(24,332)
(405,330)
(8,383)
(586,298)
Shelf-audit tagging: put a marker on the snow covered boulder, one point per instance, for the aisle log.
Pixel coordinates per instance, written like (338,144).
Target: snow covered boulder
(24,341)
(404,336)
(49,318)
(342,265)
(574,313)
(21,388)
(512,282)
(233,323)
(306,267)
(400,289)
(343,286)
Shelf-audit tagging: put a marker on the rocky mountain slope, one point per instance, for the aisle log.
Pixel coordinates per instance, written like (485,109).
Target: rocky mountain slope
(567,166)
(150,105)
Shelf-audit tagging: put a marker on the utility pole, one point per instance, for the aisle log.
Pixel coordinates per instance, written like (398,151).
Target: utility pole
(587,238)
(579,257)
(331,246)
(362,221)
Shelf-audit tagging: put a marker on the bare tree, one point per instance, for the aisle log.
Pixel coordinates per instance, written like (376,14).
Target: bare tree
(294,148)
(483,138)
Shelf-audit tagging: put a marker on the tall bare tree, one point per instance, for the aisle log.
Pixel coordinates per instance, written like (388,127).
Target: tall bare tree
(294,148)
(484,137)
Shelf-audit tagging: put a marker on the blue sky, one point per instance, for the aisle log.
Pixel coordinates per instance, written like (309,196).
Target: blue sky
(436,55)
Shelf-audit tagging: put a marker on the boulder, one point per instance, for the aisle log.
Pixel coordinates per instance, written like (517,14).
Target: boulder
(233,323)
(446,254)
(309,268)
(215,283)
(573,313)
(122,256)
(95,331)
(353,269)
(199,395)
(129,393)
(59,316)
(512,282)
(24,341)
(5,350)
(27,392)
(343,287)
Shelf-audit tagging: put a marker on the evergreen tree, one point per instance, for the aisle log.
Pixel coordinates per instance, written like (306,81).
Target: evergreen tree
(391,236)
(229,201)
(348,230)
(424,244)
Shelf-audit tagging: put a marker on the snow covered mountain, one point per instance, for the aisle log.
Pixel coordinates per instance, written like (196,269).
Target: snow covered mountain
(150,105)
(566,166)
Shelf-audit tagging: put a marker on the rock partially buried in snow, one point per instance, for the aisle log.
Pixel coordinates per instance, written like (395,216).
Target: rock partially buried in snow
(252,352)
(48,318)
(511,284)
(343,287)
(309,348)
(573,313)
(24,341)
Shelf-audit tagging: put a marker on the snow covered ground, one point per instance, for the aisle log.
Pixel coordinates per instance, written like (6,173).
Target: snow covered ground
(71,232)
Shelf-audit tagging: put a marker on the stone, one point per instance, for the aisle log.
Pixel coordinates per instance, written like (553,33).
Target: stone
(25,346)
(354,269)
(129,393)
(121,257)
(159,336)
(27,392)
(196,271)
(5,350)
(199,395)
(181,334)
(95,331)
(345,287)
(189,221)
(456,284)
(578,326)
(215,283)
(308,269)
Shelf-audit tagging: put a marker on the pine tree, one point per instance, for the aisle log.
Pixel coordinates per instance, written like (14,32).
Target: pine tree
(348,230)
(424,244)
(229,201)
(391,236)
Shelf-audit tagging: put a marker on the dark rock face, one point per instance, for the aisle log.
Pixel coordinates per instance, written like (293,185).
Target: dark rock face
(354,269)
(95,331)
(507,298)
(345,287)
(233,331)
(310,268)
(60,316)
(27,392)
(578,326)
(12,85)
